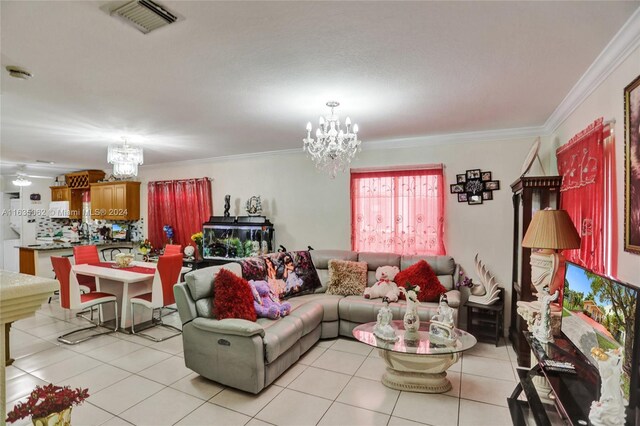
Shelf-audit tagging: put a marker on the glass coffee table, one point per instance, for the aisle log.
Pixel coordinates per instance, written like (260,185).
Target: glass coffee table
(417,365)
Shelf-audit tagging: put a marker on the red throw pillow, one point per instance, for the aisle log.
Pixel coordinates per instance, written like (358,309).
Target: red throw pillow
(232,297)
(422,275)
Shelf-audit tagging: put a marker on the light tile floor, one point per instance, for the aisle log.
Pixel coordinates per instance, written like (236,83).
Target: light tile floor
(135,381)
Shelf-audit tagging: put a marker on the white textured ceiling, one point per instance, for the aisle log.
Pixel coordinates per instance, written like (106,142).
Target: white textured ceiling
(243,77)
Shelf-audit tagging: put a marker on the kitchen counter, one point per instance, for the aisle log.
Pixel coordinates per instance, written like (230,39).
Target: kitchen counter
(66,246)
(36,259)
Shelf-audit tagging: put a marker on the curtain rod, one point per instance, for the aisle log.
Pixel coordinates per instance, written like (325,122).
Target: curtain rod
(180,180)
(398,168)
(586,132)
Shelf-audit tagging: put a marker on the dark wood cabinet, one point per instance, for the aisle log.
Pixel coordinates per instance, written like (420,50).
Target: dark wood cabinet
(530,194)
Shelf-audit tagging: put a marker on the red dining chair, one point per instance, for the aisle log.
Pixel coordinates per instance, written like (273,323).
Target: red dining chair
(82,255)
(72,298)
(172,249)
(161,295)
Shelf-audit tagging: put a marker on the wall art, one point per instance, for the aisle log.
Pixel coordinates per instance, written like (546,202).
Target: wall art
(474,187)
(632,167)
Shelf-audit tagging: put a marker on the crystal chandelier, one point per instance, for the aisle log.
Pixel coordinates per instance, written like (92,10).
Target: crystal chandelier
(334,148)
(125,159)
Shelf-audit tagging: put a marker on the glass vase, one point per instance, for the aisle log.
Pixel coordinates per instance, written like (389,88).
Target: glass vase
(411,322)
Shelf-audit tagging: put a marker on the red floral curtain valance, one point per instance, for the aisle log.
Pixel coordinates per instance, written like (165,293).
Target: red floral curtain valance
(398,211)
(183,204)
(584,163)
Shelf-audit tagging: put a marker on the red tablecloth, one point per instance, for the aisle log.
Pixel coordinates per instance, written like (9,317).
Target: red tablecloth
(138,269)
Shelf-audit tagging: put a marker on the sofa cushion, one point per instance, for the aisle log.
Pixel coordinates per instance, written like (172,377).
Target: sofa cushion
(376,260)
(310,314)
(441,265)
(233,297)
(346,277)
(321,260)
(329,303)
(280,335)
(200,281)
(421,274)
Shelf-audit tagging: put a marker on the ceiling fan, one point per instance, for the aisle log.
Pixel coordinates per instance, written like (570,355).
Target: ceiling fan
(22,177)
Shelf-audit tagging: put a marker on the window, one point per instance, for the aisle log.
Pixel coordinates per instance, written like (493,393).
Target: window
(398,211)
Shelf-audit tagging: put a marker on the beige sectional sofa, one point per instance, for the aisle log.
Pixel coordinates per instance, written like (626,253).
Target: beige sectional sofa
(251,355)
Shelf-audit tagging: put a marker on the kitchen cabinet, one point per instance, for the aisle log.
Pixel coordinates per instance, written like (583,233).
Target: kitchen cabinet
(60,193)
(73,196)
(115,200)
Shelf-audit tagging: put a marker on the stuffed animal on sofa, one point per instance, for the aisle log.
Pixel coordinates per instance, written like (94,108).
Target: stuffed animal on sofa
(384,287)
(266,303)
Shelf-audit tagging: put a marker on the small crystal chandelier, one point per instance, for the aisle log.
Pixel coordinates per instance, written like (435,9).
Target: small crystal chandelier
(125,159)
(333,149)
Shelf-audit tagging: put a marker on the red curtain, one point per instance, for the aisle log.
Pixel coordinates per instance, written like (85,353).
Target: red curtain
(398,211)
(183,204)
(585,166)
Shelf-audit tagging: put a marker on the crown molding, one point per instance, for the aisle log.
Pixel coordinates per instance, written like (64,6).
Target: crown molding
(456,138)
(626,40)
(232,157)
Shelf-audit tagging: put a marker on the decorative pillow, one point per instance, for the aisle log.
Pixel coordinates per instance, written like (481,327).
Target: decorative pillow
(289,273)
(422,275)
(232,297)
(347,278)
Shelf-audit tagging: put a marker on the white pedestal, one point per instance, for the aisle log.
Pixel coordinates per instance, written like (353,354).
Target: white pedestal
(21,296)
(417,373)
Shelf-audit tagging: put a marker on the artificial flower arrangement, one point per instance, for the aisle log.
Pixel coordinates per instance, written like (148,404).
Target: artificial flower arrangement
(197,238)
(46,401)
(168,231)
(145,246)
(463,280)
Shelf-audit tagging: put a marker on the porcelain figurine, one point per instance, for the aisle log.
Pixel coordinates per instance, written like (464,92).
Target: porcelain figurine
(383,328)
(542,325)
(441,327)
(609,410)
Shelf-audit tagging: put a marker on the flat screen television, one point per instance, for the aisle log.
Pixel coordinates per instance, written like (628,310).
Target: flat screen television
(600,311)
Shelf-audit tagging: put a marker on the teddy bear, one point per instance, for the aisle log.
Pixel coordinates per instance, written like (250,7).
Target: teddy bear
(266,303)
(384,287)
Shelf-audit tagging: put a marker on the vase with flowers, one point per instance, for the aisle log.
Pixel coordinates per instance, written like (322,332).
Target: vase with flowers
(168,231)
(145,248)
(197,238)
(49,405)
(411,319)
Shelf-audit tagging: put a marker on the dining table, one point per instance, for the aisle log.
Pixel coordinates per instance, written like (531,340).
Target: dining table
(124,283)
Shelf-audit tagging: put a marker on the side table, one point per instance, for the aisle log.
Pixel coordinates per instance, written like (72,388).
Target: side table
(485,322)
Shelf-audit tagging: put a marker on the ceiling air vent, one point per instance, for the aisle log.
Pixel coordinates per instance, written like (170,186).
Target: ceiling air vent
(145,15)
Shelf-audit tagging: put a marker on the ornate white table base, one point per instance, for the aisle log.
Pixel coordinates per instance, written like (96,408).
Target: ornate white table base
(20,297)
(417,373)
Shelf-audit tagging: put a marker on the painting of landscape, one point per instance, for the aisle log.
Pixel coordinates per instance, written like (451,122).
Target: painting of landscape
(599,312)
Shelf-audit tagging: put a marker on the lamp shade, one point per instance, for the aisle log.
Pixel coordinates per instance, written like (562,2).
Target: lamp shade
(551,229)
